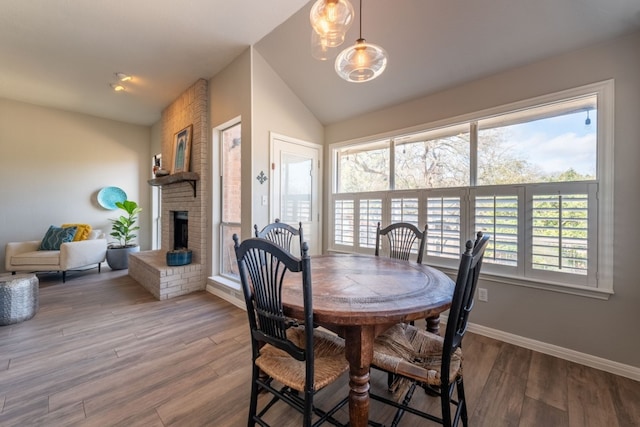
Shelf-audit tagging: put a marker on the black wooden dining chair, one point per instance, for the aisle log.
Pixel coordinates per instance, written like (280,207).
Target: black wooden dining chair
(419,358)
(403,240)
(290,361)
(280,233)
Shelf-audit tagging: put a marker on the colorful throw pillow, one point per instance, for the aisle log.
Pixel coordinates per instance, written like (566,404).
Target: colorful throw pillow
(82,232)
(55,237)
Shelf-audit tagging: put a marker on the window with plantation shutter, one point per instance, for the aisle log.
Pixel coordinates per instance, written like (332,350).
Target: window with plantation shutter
(443,222)
(405,210)
(536,175)
(497,215)
(560,233)
(563,239)
(369,216)
(343,222)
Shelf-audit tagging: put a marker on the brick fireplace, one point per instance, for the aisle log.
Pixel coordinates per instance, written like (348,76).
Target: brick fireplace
(183,203)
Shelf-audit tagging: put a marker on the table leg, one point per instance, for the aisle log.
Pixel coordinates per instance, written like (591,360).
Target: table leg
(359,353)
(433,324)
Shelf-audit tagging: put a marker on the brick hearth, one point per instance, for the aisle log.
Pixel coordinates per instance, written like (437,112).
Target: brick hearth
(149,268)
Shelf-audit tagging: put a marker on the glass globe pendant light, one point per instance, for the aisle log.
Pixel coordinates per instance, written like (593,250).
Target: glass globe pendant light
(319,47)
(331,19)
(361,62)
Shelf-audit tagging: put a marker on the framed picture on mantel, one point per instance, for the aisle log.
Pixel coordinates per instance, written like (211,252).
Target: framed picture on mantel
(182,150)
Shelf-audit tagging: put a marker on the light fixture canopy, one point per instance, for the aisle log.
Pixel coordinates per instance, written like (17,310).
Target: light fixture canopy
(361,62)
(331,19)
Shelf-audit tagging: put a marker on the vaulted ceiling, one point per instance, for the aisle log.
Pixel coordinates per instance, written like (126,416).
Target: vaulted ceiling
(64,53)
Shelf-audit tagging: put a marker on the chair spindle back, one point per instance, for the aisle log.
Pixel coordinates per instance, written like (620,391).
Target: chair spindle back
(280,233)
(402,238)
(262,265)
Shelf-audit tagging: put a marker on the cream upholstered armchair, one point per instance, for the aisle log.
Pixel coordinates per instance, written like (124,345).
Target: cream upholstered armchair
(35,256)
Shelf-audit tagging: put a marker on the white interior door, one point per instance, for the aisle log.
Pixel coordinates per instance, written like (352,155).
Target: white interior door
(296,187)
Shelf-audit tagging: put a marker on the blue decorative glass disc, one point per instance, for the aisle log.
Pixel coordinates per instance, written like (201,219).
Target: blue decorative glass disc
(108,196)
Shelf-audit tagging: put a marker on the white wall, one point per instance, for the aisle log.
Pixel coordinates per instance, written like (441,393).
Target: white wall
(250,89)
(275,109)
(606,329)
(155,143)
(54,162)
(229,99)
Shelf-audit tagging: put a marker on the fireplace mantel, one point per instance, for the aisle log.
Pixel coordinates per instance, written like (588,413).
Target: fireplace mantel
(190,177)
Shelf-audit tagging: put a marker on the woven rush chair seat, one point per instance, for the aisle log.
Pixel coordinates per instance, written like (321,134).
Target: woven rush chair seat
(410,352)
(329,360)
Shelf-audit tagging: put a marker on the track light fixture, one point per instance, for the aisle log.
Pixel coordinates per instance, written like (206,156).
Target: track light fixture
(121,78)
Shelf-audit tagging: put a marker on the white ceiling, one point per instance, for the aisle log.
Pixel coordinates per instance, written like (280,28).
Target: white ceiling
(63,53)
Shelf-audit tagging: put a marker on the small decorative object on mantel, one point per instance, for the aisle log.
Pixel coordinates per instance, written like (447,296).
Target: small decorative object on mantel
(157,159)
(179,257)
(262,177)
(157,167)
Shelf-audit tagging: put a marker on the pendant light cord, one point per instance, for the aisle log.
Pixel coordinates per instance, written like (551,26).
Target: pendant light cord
(360,38)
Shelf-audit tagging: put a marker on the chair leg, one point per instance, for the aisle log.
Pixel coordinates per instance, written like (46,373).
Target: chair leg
(462,402)
(308,408)
(405,402)
(99,264)
(64,276)
(390,379)
(253,405)
(445,403)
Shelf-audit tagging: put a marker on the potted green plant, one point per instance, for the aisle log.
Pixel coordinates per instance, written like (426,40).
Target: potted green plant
(123,230)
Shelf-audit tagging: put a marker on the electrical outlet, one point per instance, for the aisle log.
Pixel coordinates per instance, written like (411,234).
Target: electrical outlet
(483,294)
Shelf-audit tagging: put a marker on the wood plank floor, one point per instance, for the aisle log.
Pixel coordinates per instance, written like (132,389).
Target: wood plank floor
(103,352)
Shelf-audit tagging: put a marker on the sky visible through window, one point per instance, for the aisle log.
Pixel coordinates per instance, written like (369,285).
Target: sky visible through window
(558,143)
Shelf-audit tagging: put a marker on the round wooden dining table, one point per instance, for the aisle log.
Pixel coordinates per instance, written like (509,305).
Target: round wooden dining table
(361,296)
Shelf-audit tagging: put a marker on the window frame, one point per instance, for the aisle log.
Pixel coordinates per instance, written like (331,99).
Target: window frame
(599,277)
(223,225)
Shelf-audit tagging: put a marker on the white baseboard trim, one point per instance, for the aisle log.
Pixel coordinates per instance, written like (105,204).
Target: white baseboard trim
(610,366)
